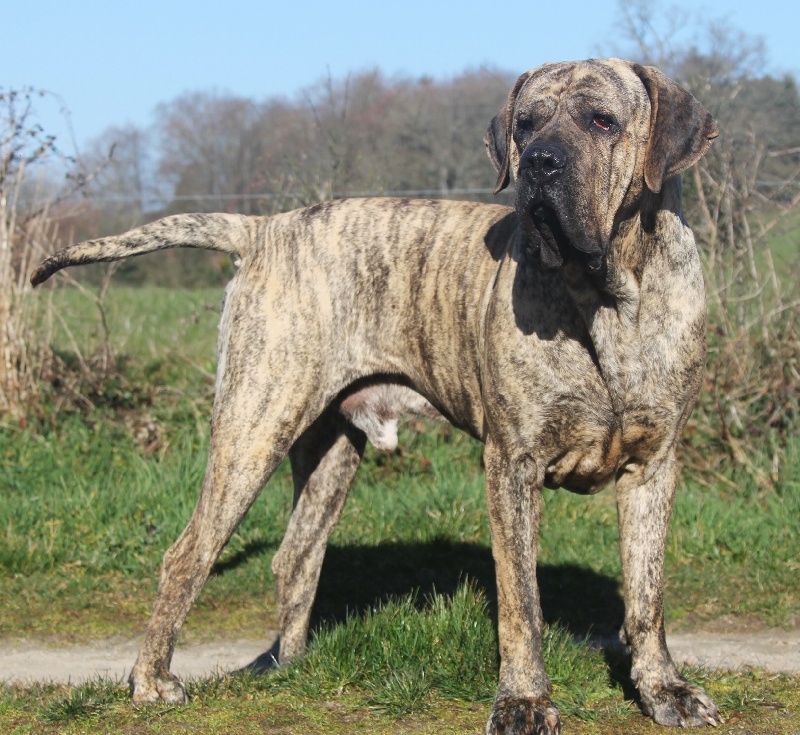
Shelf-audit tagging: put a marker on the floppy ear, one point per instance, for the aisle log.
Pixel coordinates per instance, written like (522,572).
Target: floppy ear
(498,136)
(681,129)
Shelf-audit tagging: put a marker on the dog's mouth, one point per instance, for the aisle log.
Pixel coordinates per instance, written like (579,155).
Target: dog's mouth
(557,244)
(543,225)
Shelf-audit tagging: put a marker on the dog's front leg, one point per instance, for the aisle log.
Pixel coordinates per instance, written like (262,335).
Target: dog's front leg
(644,510)
(513,497)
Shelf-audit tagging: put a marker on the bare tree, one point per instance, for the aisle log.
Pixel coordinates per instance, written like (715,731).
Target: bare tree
(125,179)
(360,135)
(448,137)
(209,149)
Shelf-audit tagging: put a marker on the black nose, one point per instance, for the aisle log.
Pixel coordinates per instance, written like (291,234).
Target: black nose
(542,162)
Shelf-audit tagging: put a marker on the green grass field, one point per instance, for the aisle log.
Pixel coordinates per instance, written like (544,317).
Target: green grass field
(96,490)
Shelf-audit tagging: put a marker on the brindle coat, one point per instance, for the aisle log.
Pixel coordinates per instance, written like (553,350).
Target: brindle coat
(568,334)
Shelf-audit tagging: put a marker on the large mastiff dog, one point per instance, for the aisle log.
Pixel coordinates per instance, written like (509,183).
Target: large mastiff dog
(568,334)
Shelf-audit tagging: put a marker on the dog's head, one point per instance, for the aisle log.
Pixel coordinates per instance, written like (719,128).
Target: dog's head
(583,140)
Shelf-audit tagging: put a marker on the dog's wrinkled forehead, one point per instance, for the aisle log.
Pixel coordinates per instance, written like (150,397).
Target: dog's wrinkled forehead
(608,86)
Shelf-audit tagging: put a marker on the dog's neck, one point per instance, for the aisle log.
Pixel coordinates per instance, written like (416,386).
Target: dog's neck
(610,303)
(609,306)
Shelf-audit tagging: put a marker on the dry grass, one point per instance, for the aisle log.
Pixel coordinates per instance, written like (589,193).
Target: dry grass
(751,401)
(31,208)
(26,231)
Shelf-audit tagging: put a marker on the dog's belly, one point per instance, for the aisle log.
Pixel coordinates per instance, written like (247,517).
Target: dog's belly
(592,456)
(584,442)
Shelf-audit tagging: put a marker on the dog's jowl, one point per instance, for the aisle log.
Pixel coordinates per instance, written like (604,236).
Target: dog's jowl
(567,333)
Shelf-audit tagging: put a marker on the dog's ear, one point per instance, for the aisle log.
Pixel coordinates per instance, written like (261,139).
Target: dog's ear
(498,136)
(496,140)
(681,129)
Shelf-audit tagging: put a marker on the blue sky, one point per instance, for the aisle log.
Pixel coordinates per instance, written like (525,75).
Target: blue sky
(111,63)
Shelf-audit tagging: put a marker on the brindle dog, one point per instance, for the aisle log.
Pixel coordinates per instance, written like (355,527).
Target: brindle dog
(568,334)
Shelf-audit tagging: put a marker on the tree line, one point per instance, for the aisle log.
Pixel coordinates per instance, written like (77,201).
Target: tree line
(367,134)
(362,135)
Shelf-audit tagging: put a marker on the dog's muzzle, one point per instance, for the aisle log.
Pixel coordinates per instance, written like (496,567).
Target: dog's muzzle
(541,206)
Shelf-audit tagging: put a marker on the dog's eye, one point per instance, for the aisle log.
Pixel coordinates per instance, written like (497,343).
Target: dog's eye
(604,123)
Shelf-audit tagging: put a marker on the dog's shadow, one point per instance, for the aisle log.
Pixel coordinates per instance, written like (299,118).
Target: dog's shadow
(357,578)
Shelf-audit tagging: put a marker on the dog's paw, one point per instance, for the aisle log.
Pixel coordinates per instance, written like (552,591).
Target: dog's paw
(160,688)
(680,705)
(524,717)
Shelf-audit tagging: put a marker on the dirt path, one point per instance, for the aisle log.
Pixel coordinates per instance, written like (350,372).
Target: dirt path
(30,661)
(774,650)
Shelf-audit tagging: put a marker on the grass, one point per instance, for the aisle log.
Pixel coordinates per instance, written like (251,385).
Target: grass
(783,241)
(409,665)
(86,516)
(365,676)
(93,493)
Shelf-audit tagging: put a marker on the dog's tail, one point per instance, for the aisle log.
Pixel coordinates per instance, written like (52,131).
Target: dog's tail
(228,233)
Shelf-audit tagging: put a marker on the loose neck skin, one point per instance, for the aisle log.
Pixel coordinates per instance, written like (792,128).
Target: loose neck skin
(612,304)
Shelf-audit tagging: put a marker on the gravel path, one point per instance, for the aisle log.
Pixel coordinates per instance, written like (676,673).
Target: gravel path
(774,650)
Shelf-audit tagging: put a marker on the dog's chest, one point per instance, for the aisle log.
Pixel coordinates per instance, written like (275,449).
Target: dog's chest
(617,392)
(584,441)
(650,362)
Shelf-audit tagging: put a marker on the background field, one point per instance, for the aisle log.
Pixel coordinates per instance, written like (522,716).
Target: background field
(95,491)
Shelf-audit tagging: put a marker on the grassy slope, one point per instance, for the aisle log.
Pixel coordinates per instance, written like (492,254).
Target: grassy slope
(90,502)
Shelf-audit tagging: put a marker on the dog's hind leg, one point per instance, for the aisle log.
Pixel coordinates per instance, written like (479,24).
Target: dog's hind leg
(260,409)
(238,467)
(324,461)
